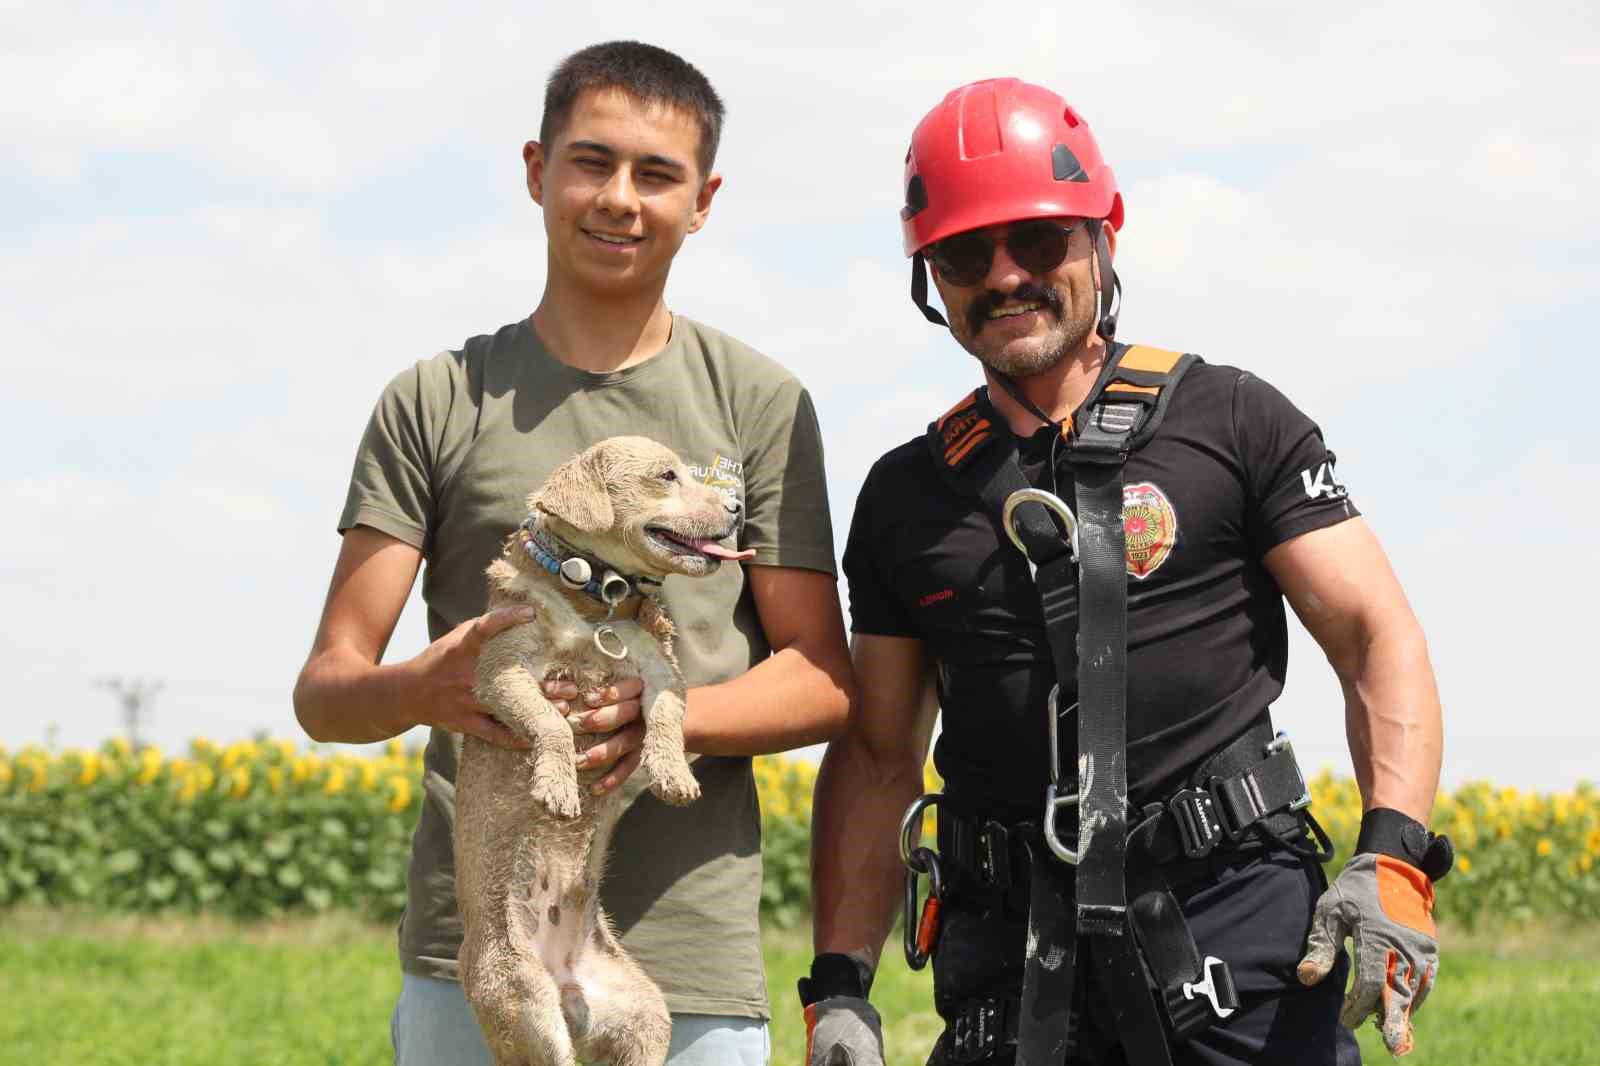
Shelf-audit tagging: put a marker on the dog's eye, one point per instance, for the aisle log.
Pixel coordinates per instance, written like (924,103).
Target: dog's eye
(668,475)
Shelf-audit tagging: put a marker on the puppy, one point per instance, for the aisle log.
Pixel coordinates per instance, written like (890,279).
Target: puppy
(540,964)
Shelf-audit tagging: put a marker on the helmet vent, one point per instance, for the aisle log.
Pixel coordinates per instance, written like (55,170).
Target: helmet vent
(1065,165)
(916,197)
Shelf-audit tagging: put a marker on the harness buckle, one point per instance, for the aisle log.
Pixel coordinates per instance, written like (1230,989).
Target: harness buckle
(976,1032)
(1194,813)
(1281,742)
(992,852)
(1216,984)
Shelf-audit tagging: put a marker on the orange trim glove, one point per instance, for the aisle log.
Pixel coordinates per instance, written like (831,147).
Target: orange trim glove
(843,1031)
(842,1028)
(1384,904)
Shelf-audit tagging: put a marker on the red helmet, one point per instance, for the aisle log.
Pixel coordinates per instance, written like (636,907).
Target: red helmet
(997,151)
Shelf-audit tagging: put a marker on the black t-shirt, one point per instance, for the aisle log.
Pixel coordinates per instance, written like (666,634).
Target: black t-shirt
(1234,470)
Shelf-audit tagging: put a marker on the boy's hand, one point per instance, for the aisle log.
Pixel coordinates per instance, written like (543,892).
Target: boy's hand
(614,710)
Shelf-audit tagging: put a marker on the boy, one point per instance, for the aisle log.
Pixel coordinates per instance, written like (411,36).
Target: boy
(623,172)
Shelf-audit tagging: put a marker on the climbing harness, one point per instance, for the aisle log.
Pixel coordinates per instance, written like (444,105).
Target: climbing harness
(1094,865)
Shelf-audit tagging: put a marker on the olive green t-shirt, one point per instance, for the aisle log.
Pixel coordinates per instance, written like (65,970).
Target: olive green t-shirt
(455,446)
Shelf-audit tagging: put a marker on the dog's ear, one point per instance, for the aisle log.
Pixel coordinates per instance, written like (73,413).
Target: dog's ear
(576,494)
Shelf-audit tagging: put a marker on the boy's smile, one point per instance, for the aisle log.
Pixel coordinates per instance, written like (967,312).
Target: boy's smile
(621,190)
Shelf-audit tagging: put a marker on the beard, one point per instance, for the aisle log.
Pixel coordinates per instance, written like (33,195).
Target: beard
(1074,320)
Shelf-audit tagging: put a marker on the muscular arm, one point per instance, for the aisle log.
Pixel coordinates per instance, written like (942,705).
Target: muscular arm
(799,695)
(344,694)
(867,779)
(1341,586)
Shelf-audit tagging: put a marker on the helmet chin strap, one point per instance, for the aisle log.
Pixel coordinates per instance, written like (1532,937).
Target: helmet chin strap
(1105,295)
(919,291)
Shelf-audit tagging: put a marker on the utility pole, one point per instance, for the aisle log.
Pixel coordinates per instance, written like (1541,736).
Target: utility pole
(136,696)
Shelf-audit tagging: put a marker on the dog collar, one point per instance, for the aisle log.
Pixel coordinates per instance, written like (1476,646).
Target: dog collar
(577,571)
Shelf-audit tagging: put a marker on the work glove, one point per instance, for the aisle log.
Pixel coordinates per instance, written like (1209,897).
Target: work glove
(843,1031)
(842,1028)
(1382,901)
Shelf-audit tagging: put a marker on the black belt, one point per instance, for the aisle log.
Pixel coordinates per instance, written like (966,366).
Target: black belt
(1248,794)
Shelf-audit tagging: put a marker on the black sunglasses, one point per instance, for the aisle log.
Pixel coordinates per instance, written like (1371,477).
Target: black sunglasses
(1038,247)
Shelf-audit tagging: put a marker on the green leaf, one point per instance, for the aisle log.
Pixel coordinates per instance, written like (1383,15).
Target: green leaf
(220,858)
(278,846)
(161,889)
(319,898)
(334,829)
(216,828)
(123,862)
(289,876)
(187,863)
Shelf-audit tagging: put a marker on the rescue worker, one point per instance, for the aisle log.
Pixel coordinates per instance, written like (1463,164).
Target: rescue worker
(1125,870)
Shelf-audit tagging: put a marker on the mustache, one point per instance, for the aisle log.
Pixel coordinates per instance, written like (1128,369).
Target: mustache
(1027,292)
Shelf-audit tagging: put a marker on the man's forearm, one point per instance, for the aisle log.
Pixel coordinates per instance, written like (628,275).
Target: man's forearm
(795,697)
(1394,722)
(342,698)
(856,875)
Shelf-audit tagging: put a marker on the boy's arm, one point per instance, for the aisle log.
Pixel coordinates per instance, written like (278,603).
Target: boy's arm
(344,694)
(800,694)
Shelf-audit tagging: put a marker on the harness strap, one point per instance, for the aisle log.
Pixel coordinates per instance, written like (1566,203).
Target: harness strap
(960,436)
(1083,597)
(1044,1024)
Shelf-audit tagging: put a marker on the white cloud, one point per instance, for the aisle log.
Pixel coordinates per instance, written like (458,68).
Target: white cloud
(1332,203)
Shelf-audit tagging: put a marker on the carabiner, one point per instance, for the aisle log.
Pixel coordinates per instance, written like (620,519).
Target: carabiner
(921,928)
(1054,802)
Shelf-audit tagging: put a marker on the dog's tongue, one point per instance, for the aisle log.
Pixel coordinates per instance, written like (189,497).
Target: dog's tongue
(717,551)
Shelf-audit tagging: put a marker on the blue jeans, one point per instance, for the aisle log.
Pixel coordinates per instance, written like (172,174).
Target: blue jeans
(432,1025)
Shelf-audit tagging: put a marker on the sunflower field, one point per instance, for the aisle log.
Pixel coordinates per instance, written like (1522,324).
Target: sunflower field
(261,828)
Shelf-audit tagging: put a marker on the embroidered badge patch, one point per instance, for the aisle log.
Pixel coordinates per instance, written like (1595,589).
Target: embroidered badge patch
(1150,527)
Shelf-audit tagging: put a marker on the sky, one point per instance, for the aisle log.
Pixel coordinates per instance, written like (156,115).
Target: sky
(224,227)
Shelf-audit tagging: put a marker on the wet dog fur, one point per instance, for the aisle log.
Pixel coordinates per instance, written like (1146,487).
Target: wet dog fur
(543,970)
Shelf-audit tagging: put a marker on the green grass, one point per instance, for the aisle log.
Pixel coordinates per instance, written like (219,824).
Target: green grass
(107,991)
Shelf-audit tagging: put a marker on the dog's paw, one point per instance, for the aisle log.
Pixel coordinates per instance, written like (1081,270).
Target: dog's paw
(677,788)
(558,794)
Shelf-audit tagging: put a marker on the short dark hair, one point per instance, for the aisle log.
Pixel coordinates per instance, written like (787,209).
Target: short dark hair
(649,74)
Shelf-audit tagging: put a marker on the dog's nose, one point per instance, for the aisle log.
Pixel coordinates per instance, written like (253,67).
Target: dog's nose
(732,506)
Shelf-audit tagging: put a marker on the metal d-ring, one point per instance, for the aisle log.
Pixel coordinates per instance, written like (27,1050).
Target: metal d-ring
(1051,502)
(912,819)
(613,590)
(601,632)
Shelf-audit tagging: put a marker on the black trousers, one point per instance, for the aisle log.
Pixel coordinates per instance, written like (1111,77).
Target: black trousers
(1251,911)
